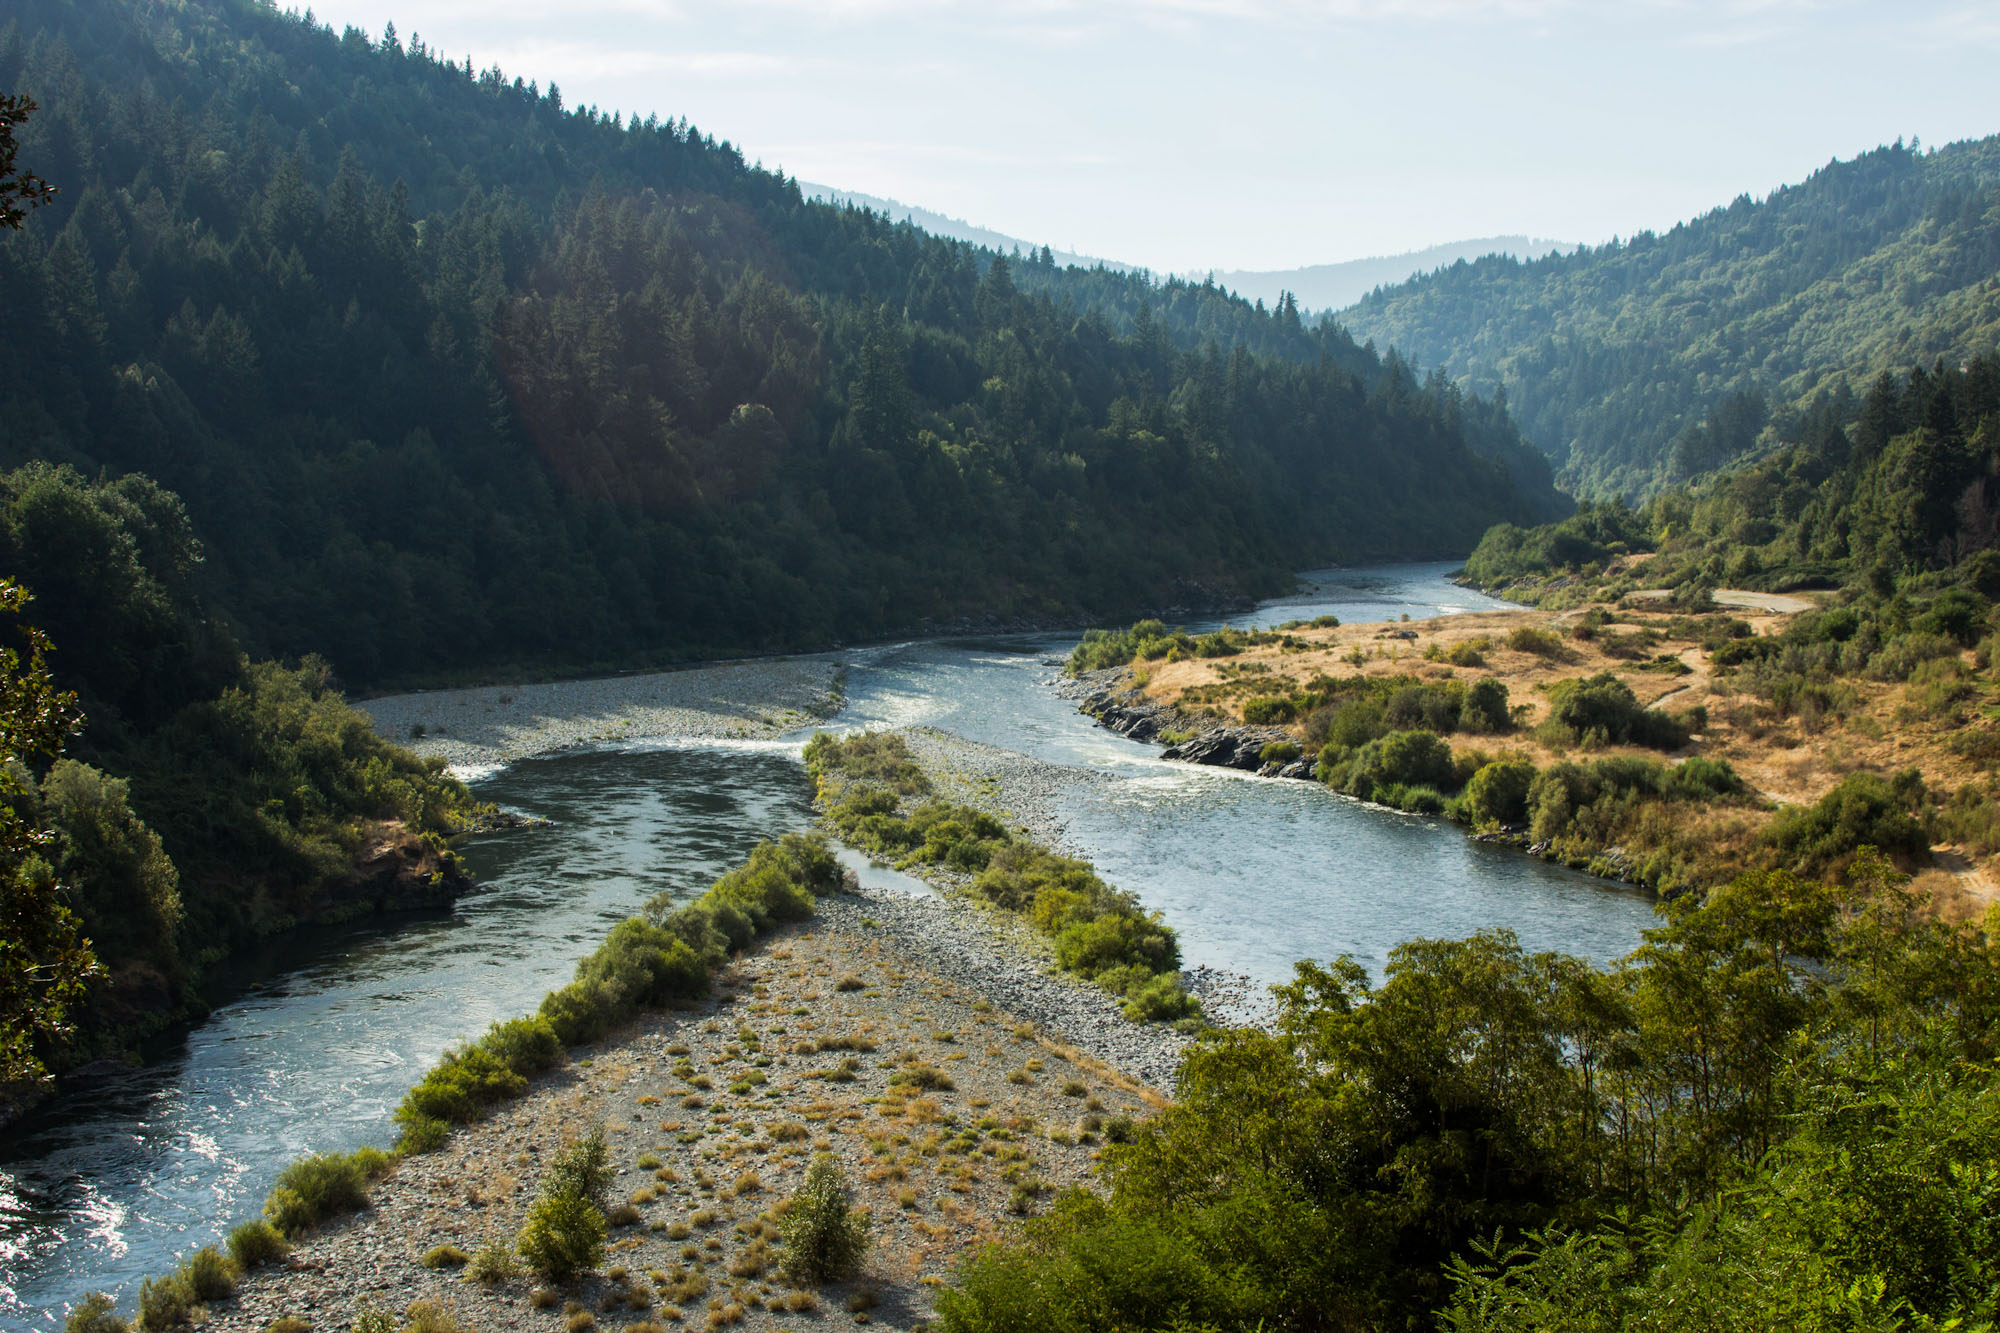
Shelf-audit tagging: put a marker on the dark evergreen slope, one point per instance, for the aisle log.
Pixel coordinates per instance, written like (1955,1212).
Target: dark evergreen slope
(1641,364)
(451,378)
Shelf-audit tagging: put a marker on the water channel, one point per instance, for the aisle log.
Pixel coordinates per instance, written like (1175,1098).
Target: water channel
(111,1182)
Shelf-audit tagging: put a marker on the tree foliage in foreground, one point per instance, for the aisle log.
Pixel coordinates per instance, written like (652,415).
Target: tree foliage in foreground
(1781,1107)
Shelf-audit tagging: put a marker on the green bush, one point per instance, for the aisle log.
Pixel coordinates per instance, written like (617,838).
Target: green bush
(1278,752)
(1161,999)
(1863,811)
(1269,710)
(1602,710)
(254,1244)
(461,1086)
(582,1169)
(321,1186)
(491,1264)
(1498,793)
(1539,642)
(209,1275)
(824,1239)
(1090,947)
(1399,759)
(563,1236)
(1485,708)
(94,1314)
(165,1303)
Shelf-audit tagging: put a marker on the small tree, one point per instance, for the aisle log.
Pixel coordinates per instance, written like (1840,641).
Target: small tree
(44,959)
(19,190)
(824,1238)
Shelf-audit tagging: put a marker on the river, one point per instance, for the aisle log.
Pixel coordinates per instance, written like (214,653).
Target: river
(109,1183)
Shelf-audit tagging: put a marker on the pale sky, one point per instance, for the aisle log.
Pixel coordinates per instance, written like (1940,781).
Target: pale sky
(1195,134)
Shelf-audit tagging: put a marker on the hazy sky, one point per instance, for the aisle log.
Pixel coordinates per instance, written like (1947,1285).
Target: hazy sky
(1263,133)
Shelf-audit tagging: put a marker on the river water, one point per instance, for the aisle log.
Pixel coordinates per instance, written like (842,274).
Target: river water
(111,1182)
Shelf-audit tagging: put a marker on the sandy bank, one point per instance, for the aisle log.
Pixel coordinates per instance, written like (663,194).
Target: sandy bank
(497,724)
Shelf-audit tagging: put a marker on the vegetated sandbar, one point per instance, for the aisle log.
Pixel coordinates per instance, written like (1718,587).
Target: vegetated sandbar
(867,1032)
(497,724)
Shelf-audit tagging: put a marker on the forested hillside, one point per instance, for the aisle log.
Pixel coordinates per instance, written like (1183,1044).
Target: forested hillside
(452,378)
(1643,363)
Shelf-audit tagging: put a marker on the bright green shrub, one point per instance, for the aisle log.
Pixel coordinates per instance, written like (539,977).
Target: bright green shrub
(824,1239)
(1108,941)
(254,1244)
(563,1236)
(164,1303)
(462,1085)
(320,1186)
(209,1275)
(528,1046)
(1498,793)
(1269,710)
(1160,1000)
(582,1169)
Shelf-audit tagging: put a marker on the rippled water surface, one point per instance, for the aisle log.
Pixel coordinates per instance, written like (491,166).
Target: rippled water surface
(116,1178)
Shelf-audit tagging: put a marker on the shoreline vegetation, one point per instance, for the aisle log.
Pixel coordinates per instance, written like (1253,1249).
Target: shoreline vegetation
(1625,738)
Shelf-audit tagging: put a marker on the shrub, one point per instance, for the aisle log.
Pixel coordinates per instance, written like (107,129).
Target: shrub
(430,1317)
(164,1303)
(445,1256)
(1401,758)
(824,1239)
(582,1170)
(255,1244)
(1602,709)
(1863,811)
(491,1264)
(1485,707)
(1269,709)
(420,1133)
(321,1186)
(1540,642)
(209,1275)
(1160,1000)
(1498,793)
(1091,947)
(94,1314)
(527,1046)
(564,1236)
(1278,752)
(462,1085)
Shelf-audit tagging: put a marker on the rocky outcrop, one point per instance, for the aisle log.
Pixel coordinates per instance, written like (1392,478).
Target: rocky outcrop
(394,870)
(1109,697)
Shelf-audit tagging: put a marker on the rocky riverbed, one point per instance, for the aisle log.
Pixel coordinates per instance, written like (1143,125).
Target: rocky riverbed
(471,729)
(957,1085)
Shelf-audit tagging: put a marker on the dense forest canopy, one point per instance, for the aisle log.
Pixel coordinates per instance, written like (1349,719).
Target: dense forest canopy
(1644,363)
(452,378)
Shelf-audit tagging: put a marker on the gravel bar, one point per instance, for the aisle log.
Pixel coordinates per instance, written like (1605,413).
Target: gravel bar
(492,725)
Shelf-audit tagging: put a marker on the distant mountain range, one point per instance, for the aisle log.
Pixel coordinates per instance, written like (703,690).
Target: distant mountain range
(1316,287)
(1646,362)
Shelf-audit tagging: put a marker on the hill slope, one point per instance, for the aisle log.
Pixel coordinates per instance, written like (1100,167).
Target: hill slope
(1642,363)
(451,377)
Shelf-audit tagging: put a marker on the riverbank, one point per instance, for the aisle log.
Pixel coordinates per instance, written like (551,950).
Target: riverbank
(887,1031)
(480,728)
